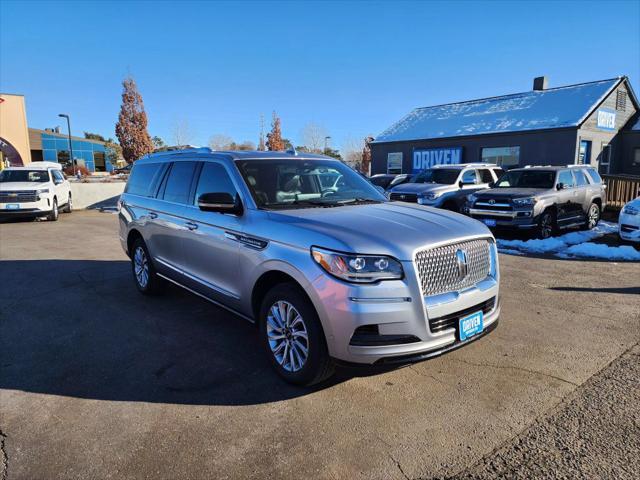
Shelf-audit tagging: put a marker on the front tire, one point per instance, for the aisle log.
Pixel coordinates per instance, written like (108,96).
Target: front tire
(546,225)
(292,336)
(144,273)
(593,217)
(53,216)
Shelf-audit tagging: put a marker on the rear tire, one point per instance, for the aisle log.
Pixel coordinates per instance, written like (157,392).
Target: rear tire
(547,225)
(292,336)
(69,206)
(144,273)
(53,216)
(593,217)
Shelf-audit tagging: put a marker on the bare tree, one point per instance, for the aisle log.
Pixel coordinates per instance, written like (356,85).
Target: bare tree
(313,137)
(351,151)
(182,134)
(220,141)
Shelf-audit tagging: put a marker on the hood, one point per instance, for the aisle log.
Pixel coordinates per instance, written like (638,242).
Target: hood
(635,203)
(389,228)
(510,192)
(5,186)
(419,187)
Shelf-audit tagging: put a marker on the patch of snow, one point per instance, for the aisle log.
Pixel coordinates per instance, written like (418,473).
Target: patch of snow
(572,245)
(599,250)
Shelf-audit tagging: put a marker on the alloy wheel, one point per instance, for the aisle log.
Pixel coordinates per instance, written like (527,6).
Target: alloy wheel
(546,226)
(287,336)
(594,216)
(141,267)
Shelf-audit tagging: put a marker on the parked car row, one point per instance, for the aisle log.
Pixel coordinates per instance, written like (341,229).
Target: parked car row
(542,199)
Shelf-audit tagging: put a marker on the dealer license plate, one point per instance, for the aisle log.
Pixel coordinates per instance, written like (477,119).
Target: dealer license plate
(12,206)
(471,325)
(489,222)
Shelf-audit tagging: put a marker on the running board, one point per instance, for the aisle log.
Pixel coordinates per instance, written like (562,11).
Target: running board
(216,303)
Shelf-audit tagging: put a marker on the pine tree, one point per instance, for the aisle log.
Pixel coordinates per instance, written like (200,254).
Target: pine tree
(131,128)
(274,138)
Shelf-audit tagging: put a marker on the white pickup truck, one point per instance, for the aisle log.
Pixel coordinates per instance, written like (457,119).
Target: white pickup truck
(39,189)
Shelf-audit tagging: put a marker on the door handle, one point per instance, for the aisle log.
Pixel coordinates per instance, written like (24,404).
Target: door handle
(153,216)
(191,225)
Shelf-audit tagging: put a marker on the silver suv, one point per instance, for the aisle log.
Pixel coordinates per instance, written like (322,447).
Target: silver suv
(542,199)
(328,268)
(447,186)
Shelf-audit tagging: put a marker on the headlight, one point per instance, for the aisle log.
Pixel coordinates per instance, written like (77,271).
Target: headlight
(524,202)
(629,210)
(471,198)
(358,268)
(432,195)
(41,191)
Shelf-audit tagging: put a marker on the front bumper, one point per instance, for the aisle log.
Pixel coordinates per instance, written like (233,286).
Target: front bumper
(25,209)
(398,310)
(520,218)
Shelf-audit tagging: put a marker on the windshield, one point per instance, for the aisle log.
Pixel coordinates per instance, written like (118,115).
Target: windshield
(444,176)
(527,179)
(302,183)
(36,176)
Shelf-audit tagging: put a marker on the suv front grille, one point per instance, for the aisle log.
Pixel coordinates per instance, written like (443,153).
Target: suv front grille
(447,322)
(498,204)
(404,197)
(439,270)
(18,196)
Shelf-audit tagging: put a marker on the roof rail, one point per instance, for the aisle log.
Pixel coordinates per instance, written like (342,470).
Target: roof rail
(578,165)
(177,152)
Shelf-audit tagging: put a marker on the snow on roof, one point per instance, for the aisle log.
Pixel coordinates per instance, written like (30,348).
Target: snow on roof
(533,110)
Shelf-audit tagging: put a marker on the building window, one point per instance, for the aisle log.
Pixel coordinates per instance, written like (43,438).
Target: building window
(503,156)
(394,162)
(621,100)
(63,157)
(636,157)
(584,153)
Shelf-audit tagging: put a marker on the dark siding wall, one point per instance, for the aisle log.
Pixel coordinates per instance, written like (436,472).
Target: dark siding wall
(599,137)
(629,141)
(549,147)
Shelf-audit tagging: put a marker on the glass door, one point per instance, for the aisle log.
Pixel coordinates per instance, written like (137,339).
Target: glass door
(584,154)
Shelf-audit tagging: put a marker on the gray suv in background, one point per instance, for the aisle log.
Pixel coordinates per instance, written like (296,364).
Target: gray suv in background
(542,199)
(447,186)
(308,249)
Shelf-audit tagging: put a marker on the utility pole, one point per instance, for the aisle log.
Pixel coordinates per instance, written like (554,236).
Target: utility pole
(64,115)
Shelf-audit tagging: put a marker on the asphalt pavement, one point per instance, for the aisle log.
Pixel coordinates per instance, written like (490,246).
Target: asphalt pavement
(97,381)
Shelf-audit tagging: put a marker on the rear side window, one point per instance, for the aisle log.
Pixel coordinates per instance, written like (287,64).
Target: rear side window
(469,177)
(178,184)
(214,179)
(566,178)
(144,179)
(595,176)
(486,176)
(581,179)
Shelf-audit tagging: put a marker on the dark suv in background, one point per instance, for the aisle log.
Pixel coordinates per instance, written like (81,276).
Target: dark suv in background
(542,199)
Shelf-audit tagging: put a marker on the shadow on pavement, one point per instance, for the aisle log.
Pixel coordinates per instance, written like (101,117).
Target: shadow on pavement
(623,290)
(81,329)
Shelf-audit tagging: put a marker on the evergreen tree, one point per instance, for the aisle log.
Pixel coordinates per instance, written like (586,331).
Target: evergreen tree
(131,128)
(274,137)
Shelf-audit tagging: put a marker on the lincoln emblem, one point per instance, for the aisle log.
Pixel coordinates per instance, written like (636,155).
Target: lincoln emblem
(461,258)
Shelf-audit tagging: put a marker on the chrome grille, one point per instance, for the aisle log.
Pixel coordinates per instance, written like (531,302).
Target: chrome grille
(18,196)
(438,268)
(405,197)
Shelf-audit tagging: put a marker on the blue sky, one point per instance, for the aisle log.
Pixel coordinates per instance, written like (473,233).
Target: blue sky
(352,67)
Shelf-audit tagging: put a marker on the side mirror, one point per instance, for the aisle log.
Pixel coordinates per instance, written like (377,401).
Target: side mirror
(560,186)
(460,184)
(221,202)
(491,184)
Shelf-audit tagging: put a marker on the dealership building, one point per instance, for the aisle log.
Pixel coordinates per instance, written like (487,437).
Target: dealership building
(21,145)
(592,123)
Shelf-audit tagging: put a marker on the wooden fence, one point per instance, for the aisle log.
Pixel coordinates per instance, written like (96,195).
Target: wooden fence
(621,189)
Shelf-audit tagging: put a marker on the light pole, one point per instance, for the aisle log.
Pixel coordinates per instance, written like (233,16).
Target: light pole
(64,115)
(326,144)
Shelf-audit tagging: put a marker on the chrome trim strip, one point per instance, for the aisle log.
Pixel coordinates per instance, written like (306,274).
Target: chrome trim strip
(199,280)
(487,204)
(246,240)
(448,297)
(235,312)
(497,213)
(380,300)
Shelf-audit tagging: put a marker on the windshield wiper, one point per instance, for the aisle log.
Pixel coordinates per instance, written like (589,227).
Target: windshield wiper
(357,200)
